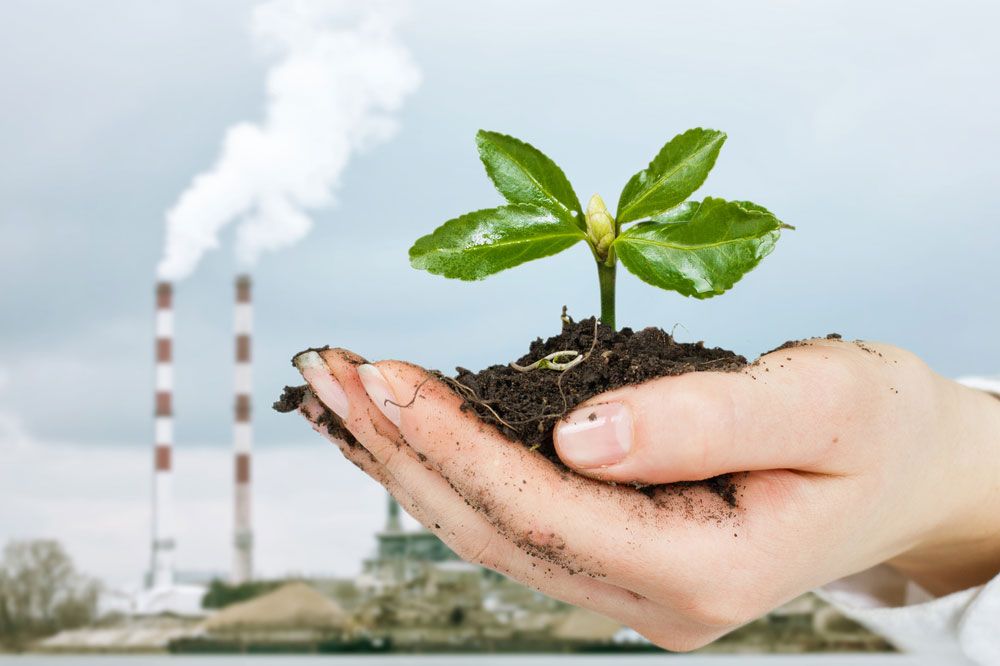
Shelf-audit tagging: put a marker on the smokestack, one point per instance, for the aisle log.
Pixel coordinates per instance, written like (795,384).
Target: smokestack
(242,436)
(162,566)
(392,521)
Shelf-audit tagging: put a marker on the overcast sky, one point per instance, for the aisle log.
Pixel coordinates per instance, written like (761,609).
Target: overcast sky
(872,127)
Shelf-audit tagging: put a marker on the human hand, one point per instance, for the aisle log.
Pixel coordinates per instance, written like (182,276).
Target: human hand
(848,456)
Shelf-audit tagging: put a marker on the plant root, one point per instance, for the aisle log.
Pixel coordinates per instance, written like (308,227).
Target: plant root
(413,398)
(470,396)
(552,362)
(465,392)
(577,360)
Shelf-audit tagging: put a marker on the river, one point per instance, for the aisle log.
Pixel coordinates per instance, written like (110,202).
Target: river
(476,660)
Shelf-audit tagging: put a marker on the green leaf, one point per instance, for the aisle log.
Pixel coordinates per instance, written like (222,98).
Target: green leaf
(683,213)
(749,205)
(674,174)
(484,242)
(523,174)
(699,249)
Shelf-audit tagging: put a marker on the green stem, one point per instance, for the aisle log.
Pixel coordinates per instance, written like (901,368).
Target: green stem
(606,276)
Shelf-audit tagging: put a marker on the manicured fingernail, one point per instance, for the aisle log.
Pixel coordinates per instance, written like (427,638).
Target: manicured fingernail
(379,391)
(315,371)
(595,436)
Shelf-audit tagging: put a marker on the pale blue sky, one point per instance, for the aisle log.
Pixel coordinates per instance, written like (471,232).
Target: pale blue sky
(872,127)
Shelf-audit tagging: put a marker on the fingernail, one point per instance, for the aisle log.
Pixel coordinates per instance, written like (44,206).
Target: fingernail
(380,393)
(317,373)
(595,436)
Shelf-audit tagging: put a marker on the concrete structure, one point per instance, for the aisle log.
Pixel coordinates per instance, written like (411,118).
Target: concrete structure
(401,555)
(242,436)
(161,571)
(178,600)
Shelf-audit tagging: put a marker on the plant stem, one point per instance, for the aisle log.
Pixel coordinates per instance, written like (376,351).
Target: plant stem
(606,276)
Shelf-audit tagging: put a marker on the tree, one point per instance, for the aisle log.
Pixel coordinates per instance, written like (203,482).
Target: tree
(41,592)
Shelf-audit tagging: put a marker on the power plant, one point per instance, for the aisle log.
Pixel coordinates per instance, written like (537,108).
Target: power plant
(161,571)
(242,570)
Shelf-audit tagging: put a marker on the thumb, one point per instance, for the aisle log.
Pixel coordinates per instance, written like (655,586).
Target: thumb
(703,424)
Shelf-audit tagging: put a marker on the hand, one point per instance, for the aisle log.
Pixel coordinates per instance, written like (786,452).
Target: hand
(849,456)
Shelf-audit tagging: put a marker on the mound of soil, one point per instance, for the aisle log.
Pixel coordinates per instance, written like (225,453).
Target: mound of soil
(526,406)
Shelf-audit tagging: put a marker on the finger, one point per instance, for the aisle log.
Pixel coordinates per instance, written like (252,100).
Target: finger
(665,555)
(319,418)
(616,534)
(787,411)
(437,505)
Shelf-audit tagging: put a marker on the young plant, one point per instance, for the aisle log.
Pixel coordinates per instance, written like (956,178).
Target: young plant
(696,248)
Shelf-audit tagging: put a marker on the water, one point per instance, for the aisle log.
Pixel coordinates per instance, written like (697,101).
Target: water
(477,660)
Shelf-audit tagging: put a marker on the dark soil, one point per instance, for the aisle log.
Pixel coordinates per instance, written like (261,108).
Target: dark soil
(791,344)
(292,398)
(526,406)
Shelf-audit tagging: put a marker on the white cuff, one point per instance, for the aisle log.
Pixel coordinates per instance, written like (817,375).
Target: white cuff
(963,627)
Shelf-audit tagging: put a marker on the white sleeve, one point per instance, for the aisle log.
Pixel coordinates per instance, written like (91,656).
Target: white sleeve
(963,627)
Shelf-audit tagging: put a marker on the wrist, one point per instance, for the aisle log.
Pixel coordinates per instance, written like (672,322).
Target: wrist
(962,548)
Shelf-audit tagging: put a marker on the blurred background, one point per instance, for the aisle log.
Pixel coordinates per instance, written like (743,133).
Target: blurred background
(306,144)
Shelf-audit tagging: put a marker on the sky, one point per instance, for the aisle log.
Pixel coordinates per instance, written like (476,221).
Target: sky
(869,126)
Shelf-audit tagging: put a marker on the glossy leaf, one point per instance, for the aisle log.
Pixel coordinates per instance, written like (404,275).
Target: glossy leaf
(699,249)
(675,173)
(749,205)
(484,242)
(523,174)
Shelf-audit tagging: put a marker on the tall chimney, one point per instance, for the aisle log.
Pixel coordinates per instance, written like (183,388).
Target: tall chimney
(392,521)
(242,436)
(162,565)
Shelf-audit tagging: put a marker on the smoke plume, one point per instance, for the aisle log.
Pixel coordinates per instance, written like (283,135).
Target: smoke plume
(339,74)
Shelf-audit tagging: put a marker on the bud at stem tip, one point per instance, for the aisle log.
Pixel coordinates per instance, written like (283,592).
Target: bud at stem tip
(600,226)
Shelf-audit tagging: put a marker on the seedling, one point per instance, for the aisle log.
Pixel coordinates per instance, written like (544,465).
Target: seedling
(698,249)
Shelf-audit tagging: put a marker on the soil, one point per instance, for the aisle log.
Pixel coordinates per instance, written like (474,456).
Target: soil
(292,398)
(791,344)
(526,406)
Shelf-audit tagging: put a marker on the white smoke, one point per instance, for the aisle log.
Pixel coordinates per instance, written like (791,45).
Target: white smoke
(339,75)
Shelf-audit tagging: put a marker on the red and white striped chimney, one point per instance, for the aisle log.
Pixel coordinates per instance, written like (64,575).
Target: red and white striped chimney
(242,435)
(162,565)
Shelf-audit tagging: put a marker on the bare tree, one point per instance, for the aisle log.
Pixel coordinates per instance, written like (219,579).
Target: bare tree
(41,592)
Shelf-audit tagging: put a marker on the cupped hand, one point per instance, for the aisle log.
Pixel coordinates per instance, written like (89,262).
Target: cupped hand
(844,455)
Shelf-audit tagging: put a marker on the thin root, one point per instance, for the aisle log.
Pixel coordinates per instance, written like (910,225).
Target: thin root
(551,362)
(463,390)
(471,396)
(413,399)
(562,394)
